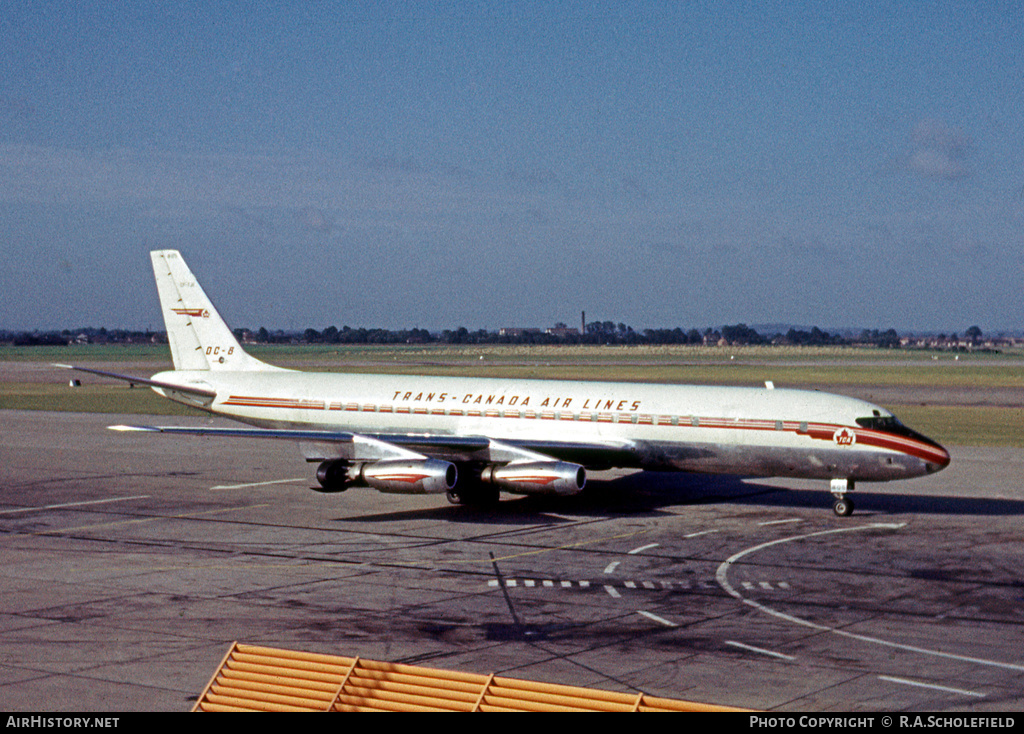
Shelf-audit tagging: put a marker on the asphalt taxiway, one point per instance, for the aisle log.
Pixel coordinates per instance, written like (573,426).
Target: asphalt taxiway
(132,561)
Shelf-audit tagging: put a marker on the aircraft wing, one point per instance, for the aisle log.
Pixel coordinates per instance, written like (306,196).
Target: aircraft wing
(322,445)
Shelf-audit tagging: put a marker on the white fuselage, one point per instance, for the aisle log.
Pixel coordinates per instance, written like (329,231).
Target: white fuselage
(735,430)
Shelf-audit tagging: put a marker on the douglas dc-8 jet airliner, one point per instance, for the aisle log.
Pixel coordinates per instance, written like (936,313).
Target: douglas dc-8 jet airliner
(470,438)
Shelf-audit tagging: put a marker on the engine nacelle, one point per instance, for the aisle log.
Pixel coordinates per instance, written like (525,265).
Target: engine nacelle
(399,476)
(537,477)
(429,476)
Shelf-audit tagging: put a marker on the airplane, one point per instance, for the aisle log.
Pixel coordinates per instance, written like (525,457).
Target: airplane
(471,438)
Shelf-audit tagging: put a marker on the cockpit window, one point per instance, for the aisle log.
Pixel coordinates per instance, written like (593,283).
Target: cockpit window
(891,424)
(880,422)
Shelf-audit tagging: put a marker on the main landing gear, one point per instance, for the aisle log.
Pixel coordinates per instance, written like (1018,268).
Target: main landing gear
(479,494)
(472,490)
(843,505)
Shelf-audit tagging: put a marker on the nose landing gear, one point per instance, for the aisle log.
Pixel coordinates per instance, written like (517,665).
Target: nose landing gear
(842,506)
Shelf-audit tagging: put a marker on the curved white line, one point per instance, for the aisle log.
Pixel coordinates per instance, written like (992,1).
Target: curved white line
(723,571)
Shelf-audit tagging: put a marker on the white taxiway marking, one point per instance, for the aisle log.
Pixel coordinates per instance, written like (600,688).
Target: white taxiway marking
(612,592)
(256,484)
(585,584)
(723,572)
(74,504)
(760,650)
(780,522)
(610,568)
(701,532)
(656,618)
(934,687)
(642,548)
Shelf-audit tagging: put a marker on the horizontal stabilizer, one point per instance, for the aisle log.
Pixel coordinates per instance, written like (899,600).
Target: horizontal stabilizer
(204,391)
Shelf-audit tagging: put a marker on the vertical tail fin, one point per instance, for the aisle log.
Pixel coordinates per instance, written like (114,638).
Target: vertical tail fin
(198,336)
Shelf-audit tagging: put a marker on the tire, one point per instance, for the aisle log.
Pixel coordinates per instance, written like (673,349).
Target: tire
(477,494)
(843,507)
(454,497)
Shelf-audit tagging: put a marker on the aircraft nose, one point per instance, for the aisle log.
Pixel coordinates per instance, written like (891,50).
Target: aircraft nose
(939,462)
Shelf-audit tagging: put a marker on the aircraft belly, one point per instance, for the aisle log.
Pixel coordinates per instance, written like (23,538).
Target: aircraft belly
(804,462)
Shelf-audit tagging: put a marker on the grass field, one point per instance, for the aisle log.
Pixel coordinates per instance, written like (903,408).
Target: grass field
(966,426)
(91,398)
(828,369)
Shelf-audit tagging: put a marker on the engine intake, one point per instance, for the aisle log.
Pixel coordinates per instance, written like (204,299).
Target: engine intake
(429,476)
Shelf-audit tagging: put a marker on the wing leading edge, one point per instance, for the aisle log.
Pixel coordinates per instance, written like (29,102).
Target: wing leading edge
(367,447)
(426,463)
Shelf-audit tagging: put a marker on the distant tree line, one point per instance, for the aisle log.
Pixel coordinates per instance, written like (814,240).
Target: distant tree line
(596,332)
(85,335)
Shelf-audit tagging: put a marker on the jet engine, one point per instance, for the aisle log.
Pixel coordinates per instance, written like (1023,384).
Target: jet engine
(400,476)
(537,477)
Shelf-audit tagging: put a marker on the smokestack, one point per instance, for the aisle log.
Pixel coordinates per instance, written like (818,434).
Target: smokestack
(583,322)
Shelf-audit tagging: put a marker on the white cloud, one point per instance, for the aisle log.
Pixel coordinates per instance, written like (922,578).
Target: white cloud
(940,151)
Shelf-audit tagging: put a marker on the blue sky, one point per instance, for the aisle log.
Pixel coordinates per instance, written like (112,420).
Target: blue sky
(441,164)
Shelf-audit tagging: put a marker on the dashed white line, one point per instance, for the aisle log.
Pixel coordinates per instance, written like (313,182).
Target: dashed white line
(779,522)
(610,568)
(658,585)
(612,592)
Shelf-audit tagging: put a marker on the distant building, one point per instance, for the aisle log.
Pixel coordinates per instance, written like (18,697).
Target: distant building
(558,330)
(562,331)
(517,331)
